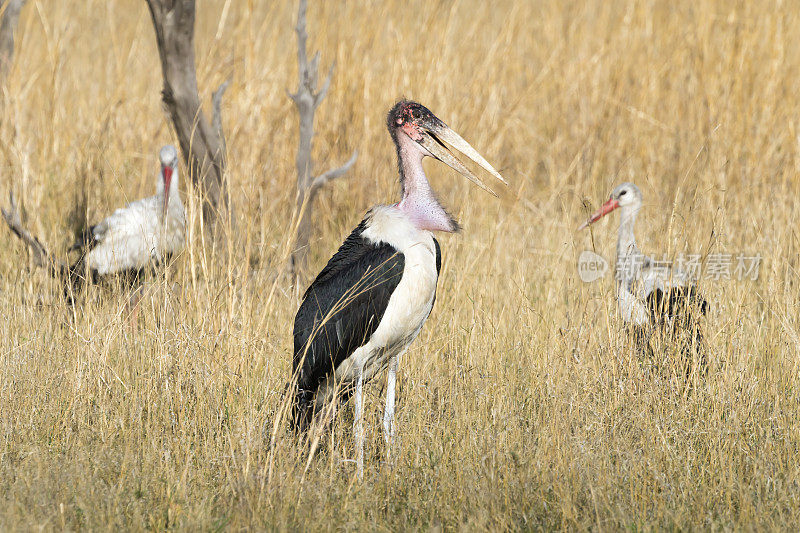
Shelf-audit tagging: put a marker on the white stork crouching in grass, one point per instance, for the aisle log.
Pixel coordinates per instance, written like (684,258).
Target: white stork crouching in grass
(140,235)
(372,298)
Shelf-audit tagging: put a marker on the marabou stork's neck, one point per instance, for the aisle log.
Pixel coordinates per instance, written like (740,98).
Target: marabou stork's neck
(419,202)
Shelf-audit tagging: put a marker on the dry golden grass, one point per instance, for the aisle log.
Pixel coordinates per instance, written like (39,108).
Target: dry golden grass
(521,404)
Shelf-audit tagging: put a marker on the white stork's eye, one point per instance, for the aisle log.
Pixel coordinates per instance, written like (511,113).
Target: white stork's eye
(622,192)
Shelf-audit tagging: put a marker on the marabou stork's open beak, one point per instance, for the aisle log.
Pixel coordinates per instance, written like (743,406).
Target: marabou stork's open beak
(605,209)
(434,133)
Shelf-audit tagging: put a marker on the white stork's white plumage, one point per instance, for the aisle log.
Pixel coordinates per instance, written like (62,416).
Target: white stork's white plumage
(141,234)
(372,298)
(648,293)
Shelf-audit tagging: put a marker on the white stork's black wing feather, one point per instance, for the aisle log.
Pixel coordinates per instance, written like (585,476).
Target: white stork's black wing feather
(342,309)
(85,241)
(669,293)
(677,301)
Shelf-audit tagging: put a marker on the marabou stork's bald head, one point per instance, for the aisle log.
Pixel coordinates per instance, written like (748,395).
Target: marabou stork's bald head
(430,135)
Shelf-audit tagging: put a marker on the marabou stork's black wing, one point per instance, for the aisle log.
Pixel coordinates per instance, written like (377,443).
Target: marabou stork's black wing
(438,256)
(342,308)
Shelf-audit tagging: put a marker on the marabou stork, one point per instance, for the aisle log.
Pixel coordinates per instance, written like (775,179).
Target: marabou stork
(370,301)
(649,294)
(138,236)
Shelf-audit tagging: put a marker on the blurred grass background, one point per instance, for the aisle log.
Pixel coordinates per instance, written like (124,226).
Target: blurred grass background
(521,404)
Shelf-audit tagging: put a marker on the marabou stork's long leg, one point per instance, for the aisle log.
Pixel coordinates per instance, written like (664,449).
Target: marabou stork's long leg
(358,424)
(388,414)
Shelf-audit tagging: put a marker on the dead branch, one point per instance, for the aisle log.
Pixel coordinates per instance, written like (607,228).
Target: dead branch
(41,257)
(202,144)
(332,174)
(9,17)
(307,99)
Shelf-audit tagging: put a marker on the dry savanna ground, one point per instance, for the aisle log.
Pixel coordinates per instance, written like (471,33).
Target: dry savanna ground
(522,404)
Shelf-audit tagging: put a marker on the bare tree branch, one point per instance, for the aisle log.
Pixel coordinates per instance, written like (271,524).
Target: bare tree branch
(201,143)
(332,174)
(9,17)
(313,72)
(41,257)
(307,99)
(320,96)
(302,38)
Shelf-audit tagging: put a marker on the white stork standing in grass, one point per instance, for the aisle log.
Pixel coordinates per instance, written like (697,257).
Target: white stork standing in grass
(648,294)
(370,301)
(140,235)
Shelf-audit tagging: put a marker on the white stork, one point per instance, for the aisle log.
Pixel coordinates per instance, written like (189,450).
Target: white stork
(648,293)
(140,235)
(372,298)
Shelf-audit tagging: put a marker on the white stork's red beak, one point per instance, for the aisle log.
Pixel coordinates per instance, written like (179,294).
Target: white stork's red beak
(605,209)
(166,174)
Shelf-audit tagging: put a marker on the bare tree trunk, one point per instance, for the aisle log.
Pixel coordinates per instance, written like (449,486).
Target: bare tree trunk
(9,16)
(307,99)
(202,144)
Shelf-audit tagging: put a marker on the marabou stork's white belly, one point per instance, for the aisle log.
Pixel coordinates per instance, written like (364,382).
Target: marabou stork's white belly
(410,303)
